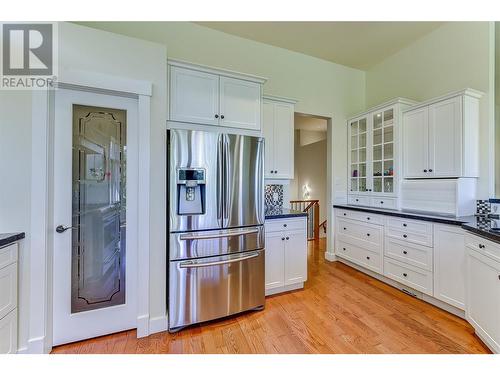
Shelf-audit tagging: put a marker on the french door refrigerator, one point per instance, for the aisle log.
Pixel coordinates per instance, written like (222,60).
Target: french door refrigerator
(216,231)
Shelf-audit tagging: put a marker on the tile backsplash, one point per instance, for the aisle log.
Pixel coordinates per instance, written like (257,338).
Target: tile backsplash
(483,206)
(274,196)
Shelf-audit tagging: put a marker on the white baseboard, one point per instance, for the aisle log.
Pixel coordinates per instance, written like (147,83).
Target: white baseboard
(22,350)
(142,326)
(37,345)
(286,288)
(158,324)
(331,257)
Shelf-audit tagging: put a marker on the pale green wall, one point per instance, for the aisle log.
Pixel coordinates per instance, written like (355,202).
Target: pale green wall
(497,109)
(452,57)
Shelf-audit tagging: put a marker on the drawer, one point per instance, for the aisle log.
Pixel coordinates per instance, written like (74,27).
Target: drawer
(8,255)
(382,202)
(359,256)
(424,239)
(278,225)
(361,216)
(365,232)
(358,200)
(486,247)
(8,289)
(409,225)
(8,333)
(413,277)
(412,254)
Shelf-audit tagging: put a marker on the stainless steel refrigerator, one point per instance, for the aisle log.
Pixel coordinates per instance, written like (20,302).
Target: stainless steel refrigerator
(216,231)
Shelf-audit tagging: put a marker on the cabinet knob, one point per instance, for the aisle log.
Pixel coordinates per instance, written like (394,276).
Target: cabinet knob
(430,170)
(357,200)
(404,236)
(481,246)
(285,225)
(282,238)
(275,171)
(288,238)
(343,248)
(405,225)
(405,275)
(405,252)
(345,228)
(368,258)
(222,117)
(425,170)
(216,116)
(345,214)
(367,218)
(272,171)
(368,234)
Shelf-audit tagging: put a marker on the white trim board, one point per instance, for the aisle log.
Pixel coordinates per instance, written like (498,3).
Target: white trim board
(40,286)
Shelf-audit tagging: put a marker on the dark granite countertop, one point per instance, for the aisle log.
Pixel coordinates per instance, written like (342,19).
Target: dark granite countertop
(282,213)
(482,227)
(443,219)
(8,238)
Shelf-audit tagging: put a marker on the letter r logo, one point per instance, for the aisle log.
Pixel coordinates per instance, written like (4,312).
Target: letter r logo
(27,49)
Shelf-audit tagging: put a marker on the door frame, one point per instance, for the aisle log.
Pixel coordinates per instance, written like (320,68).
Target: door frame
(41,237)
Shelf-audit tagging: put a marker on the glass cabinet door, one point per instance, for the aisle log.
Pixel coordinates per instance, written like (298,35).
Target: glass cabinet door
(358,155)
(383,151)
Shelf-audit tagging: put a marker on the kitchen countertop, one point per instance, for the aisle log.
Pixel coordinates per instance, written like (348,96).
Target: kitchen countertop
(442,219)
(282,213)
(8,238)
(482,227)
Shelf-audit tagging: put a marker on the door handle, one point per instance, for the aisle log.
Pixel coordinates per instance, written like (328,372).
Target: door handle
(62,228)
(192,264)
(187,237)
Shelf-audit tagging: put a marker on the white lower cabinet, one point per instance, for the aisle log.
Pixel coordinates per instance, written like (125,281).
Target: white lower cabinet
(449,265)
(286,254)
(483,291)
(414,277)
(8,299)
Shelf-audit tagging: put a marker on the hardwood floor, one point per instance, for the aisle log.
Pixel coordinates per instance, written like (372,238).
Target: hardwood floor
(340,310)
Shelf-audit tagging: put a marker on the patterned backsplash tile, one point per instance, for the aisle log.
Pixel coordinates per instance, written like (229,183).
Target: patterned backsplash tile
(483,206)
(274,196)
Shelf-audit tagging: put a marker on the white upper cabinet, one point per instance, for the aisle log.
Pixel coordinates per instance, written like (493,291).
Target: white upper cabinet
(240,103)
(374,155)
(194,96)
(415,143)
(278,131)
(207,96)
(441,137)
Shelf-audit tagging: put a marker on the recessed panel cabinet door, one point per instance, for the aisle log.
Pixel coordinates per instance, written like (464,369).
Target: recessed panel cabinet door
(194,96)
(275,260)
(445,138)
(483,297)
(295,257)
(416,143)
(240,103)
(268,132)
(283,141)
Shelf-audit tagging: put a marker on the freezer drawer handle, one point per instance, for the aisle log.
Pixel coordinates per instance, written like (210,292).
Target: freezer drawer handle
(192,264)
(187,237)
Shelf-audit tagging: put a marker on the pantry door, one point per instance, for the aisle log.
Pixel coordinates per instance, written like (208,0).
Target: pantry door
(95,240)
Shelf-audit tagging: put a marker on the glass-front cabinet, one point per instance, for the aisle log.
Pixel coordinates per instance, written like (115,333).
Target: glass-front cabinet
(374,155)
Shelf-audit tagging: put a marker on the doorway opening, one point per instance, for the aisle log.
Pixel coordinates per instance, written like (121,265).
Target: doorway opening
(308,189)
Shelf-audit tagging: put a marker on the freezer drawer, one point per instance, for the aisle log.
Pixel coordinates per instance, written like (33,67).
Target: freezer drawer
(215,287)
(215,242)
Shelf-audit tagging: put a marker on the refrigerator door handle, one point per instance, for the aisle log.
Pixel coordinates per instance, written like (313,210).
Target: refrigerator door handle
(227,187)
(194,264)
(187,237)
(220,178)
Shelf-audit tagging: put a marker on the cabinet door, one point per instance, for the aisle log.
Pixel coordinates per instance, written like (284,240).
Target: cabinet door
(449,265)
(8,333)
(483,297)
(194,96)
(445,138)
(268,133)
(283,141)
(358,156)
(295,257)
(383,153)
(240,103)
(416,143)
(275,260)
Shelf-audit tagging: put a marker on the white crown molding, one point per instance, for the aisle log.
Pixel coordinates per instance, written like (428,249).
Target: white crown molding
(398,100)
(279,99)
(466,92)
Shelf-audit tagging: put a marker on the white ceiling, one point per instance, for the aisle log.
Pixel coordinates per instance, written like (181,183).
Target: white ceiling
(359,45)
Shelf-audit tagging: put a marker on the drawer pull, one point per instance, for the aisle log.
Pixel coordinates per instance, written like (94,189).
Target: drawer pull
(345,228)
(405,252)
(404,225)
(481,246)
(284,225)
(405,275)
(345,214)
(381,202)
(368,258)
(404,236)
(357,200)
(368,234)
(282,238)
(367,218)
(288,238)
(343,248)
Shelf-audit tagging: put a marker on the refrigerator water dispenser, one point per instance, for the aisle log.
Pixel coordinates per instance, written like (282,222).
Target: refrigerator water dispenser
(190,191)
